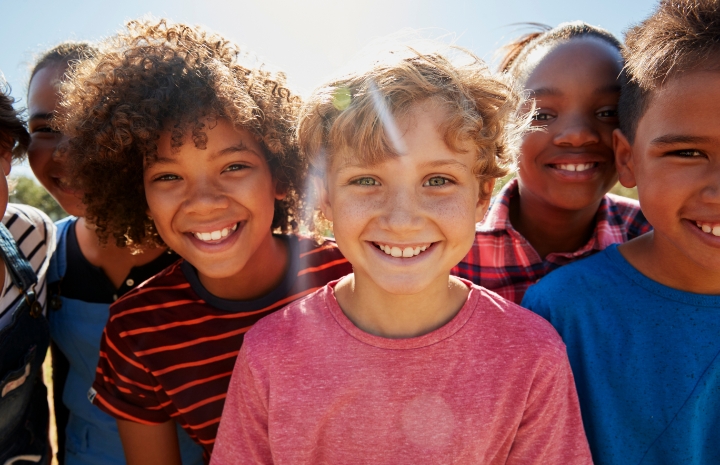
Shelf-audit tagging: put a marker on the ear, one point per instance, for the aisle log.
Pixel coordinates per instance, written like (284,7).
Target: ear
(5,160)
(624,159)
(281,190)
(323,194)
(486,189)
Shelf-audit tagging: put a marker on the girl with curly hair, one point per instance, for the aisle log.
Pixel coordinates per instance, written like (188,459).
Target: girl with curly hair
(84,278)
(27,239)
(178,140)
(558,209)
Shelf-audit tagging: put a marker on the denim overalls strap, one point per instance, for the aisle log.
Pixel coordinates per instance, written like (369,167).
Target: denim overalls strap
(23,344)
(91,435)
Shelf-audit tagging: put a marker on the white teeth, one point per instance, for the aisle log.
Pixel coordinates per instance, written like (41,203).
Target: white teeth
(215,235)
(580,167)
(709,228)
(397,252)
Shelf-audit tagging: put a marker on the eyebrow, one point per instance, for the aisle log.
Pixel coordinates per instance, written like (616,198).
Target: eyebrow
(670,139)
(543,91)
(41,116)
(241,147)
(609,89)
(441,163)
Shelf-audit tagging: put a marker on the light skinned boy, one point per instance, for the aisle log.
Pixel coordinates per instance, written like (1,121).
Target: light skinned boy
(641,320)
(175,142)
(399,362)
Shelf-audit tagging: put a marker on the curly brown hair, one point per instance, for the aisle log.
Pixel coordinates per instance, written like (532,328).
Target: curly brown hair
(156,75)
(345,116)
(13,135)
(680,36)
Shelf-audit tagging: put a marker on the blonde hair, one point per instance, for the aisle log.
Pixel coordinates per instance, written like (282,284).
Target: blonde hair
(352,114)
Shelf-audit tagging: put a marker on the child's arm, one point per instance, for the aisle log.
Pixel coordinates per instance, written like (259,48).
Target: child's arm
(551,430)
(149,444)
(243,434)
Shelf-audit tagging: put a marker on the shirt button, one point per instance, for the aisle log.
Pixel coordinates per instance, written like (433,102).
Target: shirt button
(114,297)
(129,282)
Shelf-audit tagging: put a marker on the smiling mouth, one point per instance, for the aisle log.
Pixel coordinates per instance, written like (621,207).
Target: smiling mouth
(574,166)
(709,228)
(215,236)
(402,252)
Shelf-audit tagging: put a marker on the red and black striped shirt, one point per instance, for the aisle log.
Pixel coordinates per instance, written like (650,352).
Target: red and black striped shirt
(169,346)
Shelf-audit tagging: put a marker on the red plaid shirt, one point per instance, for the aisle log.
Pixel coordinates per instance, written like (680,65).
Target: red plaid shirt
(502,260)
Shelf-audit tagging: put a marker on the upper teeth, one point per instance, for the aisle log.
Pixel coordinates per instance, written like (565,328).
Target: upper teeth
(406,252)
(215,235)
(580,167)
(709,228)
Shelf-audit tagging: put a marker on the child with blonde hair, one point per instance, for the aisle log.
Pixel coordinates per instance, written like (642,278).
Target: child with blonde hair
(400,362)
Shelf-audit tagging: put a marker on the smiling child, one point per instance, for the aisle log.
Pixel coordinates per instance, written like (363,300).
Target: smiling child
(176,143)
(558,209)
(399,362)
(641,320)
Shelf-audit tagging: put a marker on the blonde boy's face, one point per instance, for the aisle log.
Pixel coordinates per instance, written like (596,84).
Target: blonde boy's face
(404,223)
(675,163)
(213,206)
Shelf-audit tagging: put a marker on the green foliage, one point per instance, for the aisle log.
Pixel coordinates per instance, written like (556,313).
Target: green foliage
(29,192)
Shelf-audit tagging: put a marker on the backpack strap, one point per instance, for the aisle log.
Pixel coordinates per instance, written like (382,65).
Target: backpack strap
(21,272)
(58,262)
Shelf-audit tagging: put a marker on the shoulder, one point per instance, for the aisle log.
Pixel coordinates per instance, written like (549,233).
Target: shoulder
(164,288)
(517,327)
(299,322)
(17,215)
(319,262)
(629,214)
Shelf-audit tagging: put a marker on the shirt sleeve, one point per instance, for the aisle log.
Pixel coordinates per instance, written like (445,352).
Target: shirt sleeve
(243,434)
(124,388)
(551,430)
(533,301)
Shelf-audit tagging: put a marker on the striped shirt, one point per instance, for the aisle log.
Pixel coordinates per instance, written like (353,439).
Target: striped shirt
(34,234)
(502,260)
(169,347)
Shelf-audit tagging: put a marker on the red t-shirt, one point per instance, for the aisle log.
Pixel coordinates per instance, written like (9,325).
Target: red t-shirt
(492,386)
(169,346)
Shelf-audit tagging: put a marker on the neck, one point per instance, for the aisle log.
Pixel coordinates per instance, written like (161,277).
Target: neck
(116,262)
(657,258)
(262,273)
(549,229)
(394,316)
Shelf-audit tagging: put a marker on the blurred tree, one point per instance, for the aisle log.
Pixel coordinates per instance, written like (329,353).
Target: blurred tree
(29,192)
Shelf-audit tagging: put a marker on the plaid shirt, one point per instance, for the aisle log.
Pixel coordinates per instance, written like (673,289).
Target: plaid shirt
(502,260)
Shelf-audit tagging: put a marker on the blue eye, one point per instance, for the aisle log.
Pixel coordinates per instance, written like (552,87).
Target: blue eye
(365,182)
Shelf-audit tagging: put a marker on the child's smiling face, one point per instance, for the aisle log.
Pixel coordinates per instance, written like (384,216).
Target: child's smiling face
(212,206)
(675,162)
(47,163)
(569,163)
(405,222)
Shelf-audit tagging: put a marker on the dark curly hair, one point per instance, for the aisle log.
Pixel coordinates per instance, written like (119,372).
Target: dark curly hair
(155,75)
(13,135)
(65,53)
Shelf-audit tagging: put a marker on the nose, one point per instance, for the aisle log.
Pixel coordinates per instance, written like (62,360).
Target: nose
(711,190)
(202,196)
(402,211)
(576,131)
(62,148)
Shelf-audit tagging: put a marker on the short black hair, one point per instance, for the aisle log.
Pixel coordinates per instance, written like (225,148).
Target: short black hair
(680,36)
(13,134)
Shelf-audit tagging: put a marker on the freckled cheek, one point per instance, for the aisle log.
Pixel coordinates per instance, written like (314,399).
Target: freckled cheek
(458,212)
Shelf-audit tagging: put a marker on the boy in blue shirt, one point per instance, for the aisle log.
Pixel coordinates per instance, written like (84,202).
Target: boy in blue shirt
(641,320)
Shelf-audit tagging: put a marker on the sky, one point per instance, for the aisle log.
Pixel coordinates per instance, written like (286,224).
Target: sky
(308,39)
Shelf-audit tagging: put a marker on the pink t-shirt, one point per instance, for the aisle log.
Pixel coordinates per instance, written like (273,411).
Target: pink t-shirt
(492,386)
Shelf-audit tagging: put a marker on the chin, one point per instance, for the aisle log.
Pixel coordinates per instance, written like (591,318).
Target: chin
(402,285)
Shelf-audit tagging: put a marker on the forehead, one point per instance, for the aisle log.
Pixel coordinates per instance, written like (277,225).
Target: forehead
(685,105)
(218,135)
(43,92)
(578,60)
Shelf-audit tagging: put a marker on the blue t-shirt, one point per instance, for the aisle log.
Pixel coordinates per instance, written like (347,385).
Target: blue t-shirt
(646,360)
